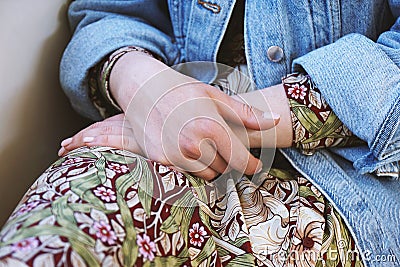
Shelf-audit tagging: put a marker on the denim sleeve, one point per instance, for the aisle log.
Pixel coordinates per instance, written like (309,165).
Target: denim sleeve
(360,79)
(101,27)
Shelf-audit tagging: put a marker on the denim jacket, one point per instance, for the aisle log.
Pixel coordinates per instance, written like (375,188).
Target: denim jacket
(351,50)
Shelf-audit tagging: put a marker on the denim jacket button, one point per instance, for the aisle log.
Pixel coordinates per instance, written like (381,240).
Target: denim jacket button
(275,53)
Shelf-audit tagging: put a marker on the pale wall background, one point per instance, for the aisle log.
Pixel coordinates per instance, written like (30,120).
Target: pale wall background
(34,113)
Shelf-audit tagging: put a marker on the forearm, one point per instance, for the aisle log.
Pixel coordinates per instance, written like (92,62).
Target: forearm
(131,72)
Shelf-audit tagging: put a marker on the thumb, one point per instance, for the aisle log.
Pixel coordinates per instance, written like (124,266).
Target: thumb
(243,114)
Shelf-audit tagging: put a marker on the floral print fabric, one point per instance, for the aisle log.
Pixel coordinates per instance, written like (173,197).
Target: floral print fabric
(315,125)
(107,207)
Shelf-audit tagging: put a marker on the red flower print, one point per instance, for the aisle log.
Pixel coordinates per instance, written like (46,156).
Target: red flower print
(118,168)
(26,244)
(196,234)
(104,232)
(297,91)
(25,208)
(72,161)
(105,194)
(146,247)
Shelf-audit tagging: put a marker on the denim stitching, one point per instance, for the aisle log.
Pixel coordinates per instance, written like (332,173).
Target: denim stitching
(383,138)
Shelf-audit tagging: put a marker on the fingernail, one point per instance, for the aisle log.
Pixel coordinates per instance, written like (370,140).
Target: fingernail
(66,142)
(61,151)
(88,139)
(259,168)
(271,115)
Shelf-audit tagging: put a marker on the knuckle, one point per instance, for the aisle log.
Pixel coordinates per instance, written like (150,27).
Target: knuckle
(103,139)
(208,127)
(247,111)
(107,129)
(189,148)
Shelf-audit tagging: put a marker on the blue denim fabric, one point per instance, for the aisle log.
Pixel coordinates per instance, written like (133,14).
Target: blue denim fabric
(347,47)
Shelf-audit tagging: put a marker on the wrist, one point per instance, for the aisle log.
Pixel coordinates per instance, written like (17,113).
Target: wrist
(272,99)
(130,72)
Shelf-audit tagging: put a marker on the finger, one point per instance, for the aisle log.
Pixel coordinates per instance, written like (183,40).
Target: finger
(118,119)
(200,170)
(88,134)
(207,174)
(124,142)
(203,150)
(187,159)
(232,149)
(253,138)
(242,113)
(104,127)
(218,164)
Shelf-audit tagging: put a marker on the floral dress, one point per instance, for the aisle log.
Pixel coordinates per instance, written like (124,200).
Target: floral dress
(108,207)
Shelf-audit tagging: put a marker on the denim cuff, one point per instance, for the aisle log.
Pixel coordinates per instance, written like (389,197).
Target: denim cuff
(92,43)
(361,84)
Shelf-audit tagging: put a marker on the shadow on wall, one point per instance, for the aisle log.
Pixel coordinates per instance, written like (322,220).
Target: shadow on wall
(43,117)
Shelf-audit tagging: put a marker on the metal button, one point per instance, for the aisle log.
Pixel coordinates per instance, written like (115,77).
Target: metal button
(275,53)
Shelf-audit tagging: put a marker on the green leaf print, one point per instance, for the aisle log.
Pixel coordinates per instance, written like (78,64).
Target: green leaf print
(308,118)
(64,214)
(169,226)
(118,158)
(83,251)
(165,261)
(27,219)
(79,154)
(305,191)
(199,186)
(205,254)
(281,174)
(327,130)
(242,260)
(36,216)
(182,211)
(145,190)
(82,186)
(42,230)
(100,165)
(129,247)
(65,217)
(86,208)
(124,182)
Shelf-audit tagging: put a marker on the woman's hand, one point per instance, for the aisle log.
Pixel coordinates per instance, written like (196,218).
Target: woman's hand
(116,132)
(179,121)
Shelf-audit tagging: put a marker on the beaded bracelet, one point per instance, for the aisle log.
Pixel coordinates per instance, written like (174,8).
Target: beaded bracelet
(99,81)
(108,66)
